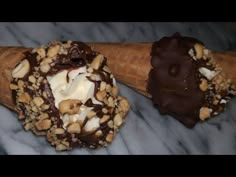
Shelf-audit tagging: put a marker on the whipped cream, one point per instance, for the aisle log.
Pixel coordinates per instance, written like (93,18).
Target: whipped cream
(75,85)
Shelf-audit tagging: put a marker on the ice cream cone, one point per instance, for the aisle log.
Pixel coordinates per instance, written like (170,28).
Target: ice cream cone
(130,63)
(9,58)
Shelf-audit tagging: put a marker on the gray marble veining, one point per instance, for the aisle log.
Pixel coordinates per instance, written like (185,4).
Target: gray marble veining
(145,130)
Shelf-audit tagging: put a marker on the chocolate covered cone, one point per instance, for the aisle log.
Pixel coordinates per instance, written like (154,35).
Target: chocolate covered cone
(130,63)
(9,58)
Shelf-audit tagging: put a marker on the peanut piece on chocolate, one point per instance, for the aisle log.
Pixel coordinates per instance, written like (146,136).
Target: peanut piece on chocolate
(47,60)
(61,147)
(32,79)
(114,91)
(38,101)
(104,119)
(43,125)
(204,113)
(103,86)
(66,143)
(45,94)
(98,133)
(20,83)
(13,86)
(44,107)
(52,51)
(110,124)
(41,52)
(109,137)
(24,98)
(104,110)
(199,50)
(204,85)
(34,109)
(43,116)
(118,120)
(124,105)
(111,102)
(70,106)
(74,128)
(21,70)
(28,126)
(45,67)
(101,95)
(108,88)
(96,63)
(59,131)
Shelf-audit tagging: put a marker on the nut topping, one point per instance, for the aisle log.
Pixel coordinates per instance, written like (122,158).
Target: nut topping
(69,106)
(21,70)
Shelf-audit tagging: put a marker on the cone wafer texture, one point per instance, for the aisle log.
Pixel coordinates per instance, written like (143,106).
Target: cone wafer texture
(227,61)
(129,62)
(9,58)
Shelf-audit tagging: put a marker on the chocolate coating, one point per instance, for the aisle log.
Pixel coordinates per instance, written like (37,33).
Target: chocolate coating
(174,80)
(43,118)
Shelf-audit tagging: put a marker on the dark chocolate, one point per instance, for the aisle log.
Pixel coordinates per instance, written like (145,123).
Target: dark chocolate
(174,80)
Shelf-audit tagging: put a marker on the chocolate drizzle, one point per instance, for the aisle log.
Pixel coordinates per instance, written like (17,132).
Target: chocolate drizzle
(78,56)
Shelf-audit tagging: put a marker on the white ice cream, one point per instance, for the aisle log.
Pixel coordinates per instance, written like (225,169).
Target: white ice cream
(78,87)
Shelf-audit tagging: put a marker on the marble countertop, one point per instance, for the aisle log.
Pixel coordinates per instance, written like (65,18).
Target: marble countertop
(145,130)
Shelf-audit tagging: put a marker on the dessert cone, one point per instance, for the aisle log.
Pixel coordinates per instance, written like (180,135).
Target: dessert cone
(130,63)
(9,58)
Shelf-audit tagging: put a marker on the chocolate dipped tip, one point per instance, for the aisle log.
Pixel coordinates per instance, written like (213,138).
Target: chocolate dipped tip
(185,82)
(66,92)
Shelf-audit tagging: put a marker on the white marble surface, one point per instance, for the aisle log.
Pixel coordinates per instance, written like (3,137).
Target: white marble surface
(145,131)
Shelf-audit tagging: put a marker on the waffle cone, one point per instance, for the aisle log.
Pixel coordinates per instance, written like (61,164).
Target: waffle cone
(9,58)
(131,63)
(227,61)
